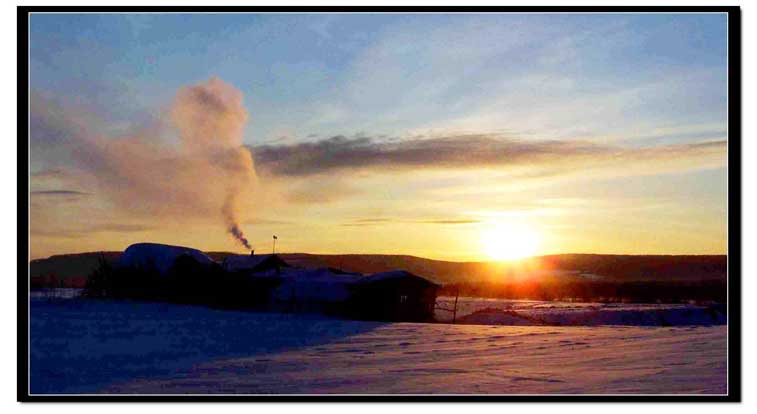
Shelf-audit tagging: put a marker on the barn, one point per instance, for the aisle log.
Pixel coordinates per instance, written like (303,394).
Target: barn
(396,295)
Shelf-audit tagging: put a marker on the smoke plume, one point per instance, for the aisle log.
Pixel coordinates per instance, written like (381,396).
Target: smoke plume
(211,118)
(202,175)
(229,215)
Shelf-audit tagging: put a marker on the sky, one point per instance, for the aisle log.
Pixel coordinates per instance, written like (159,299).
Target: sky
(455,137)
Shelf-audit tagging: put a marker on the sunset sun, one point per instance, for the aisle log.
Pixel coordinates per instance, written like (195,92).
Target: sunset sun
(510,241)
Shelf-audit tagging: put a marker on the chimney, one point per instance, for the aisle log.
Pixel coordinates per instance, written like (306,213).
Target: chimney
(252,252)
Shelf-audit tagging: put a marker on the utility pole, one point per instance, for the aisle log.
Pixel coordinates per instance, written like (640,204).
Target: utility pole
(274,244)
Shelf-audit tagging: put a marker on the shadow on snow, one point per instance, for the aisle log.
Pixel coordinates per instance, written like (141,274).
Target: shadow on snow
(82,346)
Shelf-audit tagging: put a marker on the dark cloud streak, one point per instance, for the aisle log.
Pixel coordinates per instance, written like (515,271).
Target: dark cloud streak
(463,151)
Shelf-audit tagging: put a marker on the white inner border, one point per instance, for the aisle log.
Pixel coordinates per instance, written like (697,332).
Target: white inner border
(367,12)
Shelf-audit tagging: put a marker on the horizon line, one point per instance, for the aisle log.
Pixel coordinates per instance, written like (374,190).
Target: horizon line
(411,255)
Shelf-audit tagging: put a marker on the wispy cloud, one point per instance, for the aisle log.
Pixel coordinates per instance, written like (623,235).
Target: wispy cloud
(58,193)
(374,221)
(266,221)
(119,228)
(450,221)
(45,174)
(555,76)
(84,230)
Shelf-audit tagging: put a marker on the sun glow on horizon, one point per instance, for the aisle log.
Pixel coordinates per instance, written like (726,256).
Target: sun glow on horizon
(503,241)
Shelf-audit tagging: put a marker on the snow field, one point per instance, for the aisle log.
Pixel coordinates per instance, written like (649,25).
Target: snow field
(82,346)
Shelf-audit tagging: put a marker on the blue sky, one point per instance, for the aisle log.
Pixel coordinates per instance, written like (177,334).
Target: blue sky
(611,109)
(398,74)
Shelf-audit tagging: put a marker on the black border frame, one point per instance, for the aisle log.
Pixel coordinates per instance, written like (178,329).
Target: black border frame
(734,208)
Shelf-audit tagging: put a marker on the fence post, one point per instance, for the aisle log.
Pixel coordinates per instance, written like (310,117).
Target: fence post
(454,311)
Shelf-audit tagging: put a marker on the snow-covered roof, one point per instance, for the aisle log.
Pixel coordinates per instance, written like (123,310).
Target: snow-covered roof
(321,274)
(318,285)
(160,256)
(329,285)
(247,262)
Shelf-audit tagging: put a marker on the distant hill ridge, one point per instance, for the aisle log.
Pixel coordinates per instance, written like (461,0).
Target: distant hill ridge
(614,268)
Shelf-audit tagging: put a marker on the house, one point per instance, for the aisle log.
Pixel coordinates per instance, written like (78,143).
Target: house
(159,257)
(253,263)
(396,295)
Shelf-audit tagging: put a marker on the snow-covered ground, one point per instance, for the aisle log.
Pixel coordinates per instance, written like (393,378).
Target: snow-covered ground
(484,311)
(85,346)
